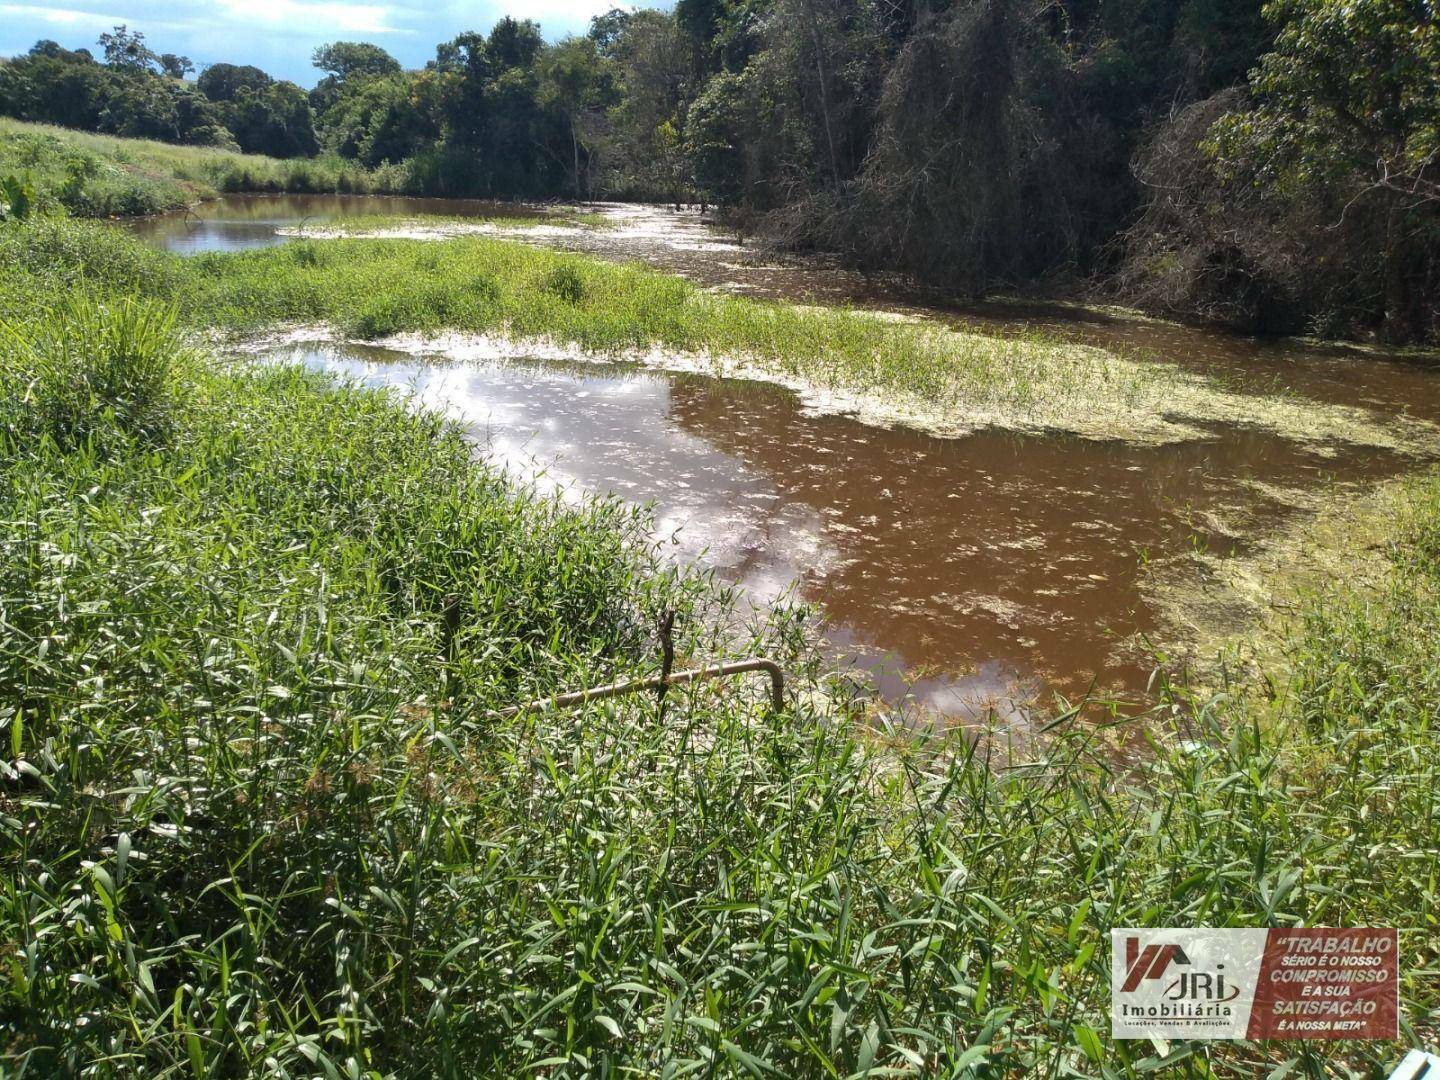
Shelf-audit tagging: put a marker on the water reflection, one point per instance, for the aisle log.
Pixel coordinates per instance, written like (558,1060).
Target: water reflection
(973,572)
(236,222)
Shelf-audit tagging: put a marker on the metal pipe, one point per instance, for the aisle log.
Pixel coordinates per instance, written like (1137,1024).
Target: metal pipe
(630,686)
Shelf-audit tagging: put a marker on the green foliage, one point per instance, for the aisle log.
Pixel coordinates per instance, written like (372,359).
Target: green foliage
(258,814)
(49,256)
(126,50)
(642,152)
(17,198)
(577,81)
(274,120)
(134,93)
(139,94)
(1374,658)
(717,148)
(1355,85)
(1320,186)
(89,370)
(385,119)
(566,283)
(354,59)
(224,82)
(349,66)
(102,176)
(70,175)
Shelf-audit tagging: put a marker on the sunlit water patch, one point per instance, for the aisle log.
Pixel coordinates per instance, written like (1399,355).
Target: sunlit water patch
(237,222)
(968,574)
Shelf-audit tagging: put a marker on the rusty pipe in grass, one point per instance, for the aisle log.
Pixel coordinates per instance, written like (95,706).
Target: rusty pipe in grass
(655,682)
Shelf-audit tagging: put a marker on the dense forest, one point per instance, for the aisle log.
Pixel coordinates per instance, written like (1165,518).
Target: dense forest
(1271,167)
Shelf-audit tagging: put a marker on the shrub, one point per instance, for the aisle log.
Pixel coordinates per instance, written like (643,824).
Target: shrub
(17,198)
(55,253)
(566,283)
(91,369)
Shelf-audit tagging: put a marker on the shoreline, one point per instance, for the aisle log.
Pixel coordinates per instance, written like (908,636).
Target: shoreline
(1192,402)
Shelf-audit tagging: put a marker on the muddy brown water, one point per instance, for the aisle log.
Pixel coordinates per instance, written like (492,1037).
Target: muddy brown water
(970,574)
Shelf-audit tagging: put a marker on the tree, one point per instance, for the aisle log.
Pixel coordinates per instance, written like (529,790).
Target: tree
(716,139)
(272,118)
(347,63)
(466,72)
(1348,100)
(514,44)
(223,82)
(150,107)
(497,136)
(347,59)
(55,86)
(126,50)
(650,61)
(177,67)
(607,29)
(700,21)
(1216,44)
(576,81)
(1220,248)
(385,119)
(518,127)
(943,185)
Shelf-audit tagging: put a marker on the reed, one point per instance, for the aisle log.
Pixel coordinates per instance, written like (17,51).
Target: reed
(257,815)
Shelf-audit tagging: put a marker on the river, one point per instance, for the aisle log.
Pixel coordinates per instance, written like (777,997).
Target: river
(970,574)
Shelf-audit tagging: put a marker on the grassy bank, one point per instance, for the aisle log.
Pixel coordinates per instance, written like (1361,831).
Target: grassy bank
(93,175)
(926,376)
(256,815)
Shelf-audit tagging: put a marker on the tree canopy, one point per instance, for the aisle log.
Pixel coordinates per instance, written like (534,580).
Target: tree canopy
(1274,166)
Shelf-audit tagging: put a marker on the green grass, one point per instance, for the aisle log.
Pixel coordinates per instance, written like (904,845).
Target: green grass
(257,815)
(372,288)
(930,376)
(91,175)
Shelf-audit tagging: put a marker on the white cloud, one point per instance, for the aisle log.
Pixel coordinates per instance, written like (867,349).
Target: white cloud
(556,17)
(62,16)
(299,14)
(558,12)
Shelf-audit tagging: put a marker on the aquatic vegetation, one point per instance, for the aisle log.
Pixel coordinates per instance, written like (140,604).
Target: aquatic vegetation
(935,378)
(1233,613)
(1369,651)
(518,216)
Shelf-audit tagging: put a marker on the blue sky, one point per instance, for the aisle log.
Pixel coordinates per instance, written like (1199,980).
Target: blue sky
(279,35)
